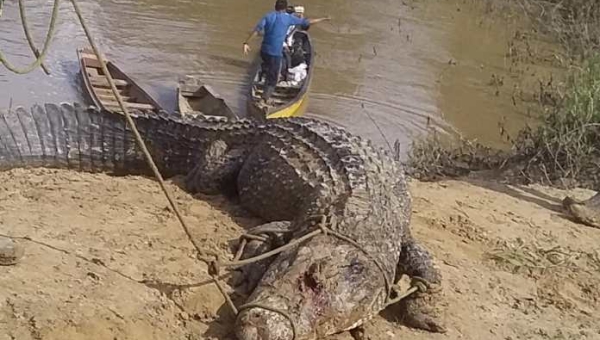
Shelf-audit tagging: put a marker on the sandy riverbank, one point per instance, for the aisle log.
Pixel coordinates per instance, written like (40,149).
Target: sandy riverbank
(106,250)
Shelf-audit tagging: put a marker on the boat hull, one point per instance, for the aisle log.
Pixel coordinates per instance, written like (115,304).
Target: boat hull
(289,101)
(97,90)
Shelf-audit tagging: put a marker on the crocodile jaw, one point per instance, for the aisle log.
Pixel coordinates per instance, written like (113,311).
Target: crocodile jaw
(325,286)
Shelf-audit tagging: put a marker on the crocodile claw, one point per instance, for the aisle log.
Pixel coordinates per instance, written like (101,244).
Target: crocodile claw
(425,322)
(423,311)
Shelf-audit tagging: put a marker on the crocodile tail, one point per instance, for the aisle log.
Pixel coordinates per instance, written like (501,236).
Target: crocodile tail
(77,137)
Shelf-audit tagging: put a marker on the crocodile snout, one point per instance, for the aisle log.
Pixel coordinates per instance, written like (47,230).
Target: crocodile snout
(247,332)
(261,324)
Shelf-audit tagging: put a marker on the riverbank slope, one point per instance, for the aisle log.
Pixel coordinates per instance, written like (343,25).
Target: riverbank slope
(106,259)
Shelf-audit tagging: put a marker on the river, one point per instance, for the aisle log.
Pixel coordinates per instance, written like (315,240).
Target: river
(385,69)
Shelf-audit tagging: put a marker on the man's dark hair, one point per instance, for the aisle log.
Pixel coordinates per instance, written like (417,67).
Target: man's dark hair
(281,5)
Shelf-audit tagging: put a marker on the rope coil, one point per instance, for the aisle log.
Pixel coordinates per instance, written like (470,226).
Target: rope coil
(212,261)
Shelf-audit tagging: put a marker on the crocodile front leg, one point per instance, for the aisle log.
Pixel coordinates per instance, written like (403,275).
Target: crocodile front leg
(274,235)
(421,309)
(216,170)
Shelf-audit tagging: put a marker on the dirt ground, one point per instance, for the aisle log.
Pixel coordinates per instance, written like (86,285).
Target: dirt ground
(106,259)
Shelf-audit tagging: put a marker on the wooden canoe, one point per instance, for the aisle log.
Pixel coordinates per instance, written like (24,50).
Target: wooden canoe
(97,89)
(288,99)
(194,97)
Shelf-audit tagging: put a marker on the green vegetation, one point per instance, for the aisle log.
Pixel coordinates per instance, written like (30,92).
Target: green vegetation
(574,23)
(564,149)
(566,145)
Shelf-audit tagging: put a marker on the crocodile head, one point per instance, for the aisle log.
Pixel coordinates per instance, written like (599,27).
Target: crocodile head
(324,286)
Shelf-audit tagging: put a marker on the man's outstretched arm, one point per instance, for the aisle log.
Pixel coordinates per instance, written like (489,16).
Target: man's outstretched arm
(259,27)
(308,22)
(316,21)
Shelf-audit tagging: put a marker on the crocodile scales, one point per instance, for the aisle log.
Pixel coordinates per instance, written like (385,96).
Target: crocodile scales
(291,173)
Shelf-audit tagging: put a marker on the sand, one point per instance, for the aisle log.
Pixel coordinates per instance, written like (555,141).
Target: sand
(105,258)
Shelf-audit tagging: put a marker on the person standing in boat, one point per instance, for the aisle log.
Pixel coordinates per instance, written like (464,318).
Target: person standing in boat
(297,11)
(288,43)
(275,26)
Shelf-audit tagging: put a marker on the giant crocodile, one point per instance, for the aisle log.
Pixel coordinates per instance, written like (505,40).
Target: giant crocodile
(295,173)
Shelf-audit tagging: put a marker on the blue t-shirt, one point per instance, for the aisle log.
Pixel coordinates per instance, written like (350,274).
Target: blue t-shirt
(275,24)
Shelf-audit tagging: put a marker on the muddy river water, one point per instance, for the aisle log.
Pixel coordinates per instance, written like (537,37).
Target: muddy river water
(385,69)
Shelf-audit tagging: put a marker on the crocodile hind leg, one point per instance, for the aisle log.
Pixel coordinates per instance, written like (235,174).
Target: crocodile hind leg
(422,309)
(216,170)
(272,235)
(586,212)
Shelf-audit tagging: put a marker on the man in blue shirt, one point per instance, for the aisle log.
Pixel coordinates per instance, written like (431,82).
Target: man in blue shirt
(275,26)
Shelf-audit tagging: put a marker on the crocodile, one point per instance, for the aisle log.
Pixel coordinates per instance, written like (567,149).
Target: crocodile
(294,173)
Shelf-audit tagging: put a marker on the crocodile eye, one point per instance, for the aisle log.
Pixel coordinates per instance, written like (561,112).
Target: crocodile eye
(355,268)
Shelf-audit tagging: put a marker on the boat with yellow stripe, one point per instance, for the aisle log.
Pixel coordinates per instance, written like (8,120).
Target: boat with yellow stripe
(290,97)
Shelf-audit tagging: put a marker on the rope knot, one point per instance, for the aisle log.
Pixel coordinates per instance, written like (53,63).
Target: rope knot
(324,229)
(421,284)
(213,262)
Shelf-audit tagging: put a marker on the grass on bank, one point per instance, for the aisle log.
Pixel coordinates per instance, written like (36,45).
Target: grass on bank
(564,148)
(566,144)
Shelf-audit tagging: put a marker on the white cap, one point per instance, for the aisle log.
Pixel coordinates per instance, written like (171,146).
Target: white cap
(299,9)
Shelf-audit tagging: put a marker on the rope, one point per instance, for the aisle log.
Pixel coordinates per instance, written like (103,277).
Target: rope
(321,230)
(34,49)
(402,296)
(240,251)
(225,295)
(42,55)
(418,284)
(272,252)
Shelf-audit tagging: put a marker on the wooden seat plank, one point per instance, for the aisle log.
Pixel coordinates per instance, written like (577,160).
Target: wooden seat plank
(101,81)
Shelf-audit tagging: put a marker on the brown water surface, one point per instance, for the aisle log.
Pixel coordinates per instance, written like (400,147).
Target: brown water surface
(382,67)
